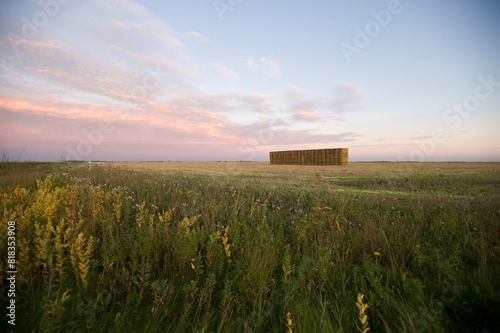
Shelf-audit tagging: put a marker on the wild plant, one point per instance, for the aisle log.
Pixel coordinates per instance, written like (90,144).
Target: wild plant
(81,252)
(289,322)
(363,317)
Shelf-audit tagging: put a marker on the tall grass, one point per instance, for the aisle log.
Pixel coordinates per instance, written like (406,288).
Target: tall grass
(114,250)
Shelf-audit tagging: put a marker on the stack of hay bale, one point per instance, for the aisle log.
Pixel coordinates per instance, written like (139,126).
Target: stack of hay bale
(331,156)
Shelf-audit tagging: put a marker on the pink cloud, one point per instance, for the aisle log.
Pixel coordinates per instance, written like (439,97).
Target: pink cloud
(56,89)
(308,115)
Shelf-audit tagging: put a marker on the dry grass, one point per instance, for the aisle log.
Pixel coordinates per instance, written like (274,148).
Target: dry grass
(353,169)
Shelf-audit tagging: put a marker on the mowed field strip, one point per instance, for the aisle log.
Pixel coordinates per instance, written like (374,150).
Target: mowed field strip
(389,169)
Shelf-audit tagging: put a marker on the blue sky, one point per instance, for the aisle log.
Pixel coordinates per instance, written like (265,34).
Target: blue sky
(235,79)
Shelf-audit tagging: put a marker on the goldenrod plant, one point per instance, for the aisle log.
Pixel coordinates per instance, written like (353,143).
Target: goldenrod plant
(289,322)
(225,242)
(80,254)
(363,317)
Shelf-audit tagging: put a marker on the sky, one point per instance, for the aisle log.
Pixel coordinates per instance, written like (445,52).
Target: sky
(209,80)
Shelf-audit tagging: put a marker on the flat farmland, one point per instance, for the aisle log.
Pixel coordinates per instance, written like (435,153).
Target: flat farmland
(379,178)
(253,247)
(353,169)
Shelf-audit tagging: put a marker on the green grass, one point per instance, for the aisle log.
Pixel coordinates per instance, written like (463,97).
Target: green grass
(422,246)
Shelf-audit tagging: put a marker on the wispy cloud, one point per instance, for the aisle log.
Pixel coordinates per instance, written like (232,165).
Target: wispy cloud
(308,115)
(346,98)
(263,64)
(259,135)
(197,36)
(256,101)
(224,71)
(302,104)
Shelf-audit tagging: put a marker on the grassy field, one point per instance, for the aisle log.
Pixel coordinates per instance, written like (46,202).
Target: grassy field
(253,247)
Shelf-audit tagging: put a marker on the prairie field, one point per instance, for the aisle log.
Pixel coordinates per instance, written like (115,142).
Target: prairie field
(252,247)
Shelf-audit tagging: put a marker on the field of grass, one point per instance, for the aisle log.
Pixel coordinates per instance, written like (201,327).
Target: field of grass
(253,247)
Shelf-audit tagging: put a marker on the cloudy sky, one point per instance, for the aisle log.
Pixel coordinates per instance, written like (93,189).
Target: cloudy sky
(235,79)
